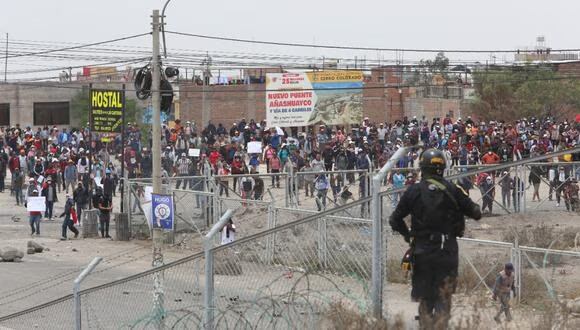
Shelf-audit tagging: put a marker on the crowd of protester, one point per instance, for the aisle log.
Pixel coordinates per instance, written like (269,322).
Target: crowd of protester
(368,146)
(44,161)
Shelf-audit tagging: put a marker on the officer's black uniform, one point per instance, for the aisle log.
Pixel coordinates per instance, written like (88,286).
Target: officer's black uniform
(437,209)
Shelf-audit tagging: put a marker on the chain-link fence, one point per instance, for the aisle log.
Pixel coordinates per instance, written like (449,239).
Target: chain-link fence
(286,266)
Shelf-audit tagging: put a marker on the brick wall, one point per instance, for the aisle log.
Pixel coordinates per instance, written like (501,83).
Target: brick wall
(229,104)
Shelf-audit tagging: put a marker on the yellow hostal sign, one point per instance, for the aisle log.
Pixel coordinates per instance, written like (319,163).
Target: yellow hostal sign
(107,110)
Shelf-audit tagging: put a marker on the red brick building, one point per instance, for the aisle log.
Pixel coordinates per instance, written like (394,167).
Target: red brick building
(385,99)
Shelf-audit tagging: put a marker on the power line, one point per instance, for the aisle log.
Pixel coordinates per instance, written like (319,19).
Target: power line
(80,46)
(412,50)
(398,86)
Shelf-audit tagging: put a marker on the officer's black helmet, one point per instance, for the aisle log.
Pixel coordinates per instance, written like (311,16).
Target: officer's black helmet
(432,162)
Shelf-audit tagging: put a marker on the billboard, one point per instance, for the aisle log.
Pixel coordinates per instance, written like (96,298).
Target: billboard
(326,97)
(106,112)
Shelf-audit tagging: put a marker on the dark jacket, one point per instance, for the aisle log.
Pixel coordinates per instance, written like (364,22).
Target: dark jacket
(81,196)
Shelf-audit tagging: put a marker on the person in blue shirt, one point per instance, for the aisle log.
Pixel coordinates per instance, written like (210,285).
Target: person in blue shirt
(254,161)
(321,185)
(283,154)
(398,182)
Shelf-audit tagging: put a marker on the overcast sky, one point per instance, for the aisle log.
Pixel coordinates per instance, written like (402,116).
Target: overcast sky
(455,24)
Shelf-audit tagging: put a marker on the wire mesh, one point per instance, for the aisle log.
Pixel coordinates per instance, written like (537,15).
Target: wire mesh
(54,315)
(286,276)
(129,304)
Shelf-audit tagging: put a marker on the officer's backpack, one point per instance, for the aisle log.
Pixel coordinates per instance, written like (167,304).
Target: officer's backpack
(441,211)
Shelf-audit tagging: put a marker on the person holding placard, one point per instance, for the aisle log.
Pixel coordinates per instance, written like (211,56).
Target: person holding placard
(34,217)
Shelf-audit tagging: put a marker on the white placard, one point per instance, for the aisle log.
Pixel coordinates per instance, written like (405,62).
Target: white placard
(193,152)
(40,179)
(255,147)
(36,204)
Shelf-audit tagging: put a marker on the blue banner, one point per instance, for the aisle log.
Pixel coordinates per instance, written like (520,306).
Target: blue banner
(162,211)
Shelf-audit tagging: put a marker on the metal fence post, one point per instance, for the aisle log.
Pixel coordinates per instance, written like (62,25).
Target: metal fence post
(377,265)
(77,288)
(208,293)
(129,205)
(322,248)
(377,237)
(518,265)
(217,204)
(270,241)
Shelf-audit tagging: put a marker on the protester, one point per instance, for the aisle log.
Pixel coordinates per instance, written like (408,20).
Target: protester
(321,184)
(17,183)
(105,208)
(228,232)
(504,285)
(68,218)
(34,217)
(51,196)
(81,199)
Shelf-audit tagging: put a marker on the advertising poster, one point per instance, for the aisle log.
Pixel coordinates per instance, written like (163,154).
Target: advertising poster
(321,97)
(162,211)
(107,108)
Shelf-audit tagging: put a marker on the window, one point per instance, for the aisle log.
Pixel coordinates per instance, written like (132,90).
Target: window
(51,113)
(4,114)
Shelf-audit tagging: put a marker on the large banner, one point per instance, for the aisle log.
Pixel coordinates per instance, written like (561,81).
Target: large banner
(107,108)
(302,99)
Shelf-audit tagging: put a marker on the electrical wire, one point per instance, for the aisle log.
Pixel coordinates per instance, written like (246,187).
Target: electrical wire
(79,46)
(384,87)
(410,50)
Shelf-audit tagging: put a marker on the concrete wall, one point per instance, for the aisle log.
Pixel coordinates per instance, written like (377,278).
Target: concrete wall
(22,98)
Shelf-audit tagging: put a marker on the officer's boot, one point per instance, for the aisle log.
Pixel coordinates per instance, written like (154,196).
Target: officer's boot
(426,314)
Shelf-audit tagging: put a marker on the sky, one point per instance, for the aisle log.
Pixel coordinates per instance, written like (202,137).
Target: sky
(443,24)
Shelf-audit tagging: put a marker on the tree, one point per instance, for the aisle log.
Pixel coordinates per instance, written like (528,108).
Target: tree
(428,68)
(439,65)
(526,92)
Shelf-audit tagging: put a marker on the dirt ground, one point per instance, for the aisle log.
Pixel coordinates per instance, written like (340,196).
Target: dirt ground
(42,277)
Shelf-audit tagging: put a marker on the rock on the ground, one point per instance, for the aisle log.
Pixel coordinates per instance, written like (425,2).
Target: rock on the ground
(37,247)
(30,250)
(574,305)
(9,253)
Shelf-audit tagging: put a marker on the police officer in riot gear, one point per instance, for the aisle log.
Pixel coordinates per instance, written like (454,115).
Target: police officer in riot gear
(437,209)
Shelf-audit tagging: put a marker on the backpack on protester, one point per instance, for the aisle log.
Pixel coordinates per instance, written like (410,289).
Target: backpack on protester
(247,186)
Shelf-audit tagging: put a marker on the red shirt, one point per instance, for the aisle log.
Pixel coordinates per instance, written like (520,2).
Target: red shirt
(214,157)
(490,158)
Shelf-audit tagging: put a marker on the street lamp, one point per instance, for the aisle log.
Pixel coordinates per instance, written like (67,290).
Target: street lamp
(163,27)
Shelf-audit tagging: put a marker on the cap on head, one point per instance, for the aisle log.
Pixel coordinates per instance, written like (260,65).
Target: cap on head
(509,266)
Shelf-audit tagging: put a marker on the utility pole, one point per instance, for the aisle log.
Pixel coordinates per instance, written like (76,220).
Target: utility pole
(6,59)
(159,311)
